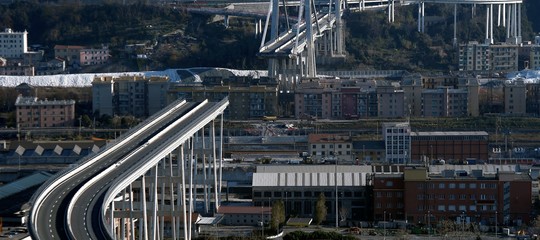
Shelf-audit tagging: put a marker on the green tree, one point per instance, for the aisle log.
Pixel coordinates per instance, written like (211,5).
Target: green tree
(320,209)
(278,215)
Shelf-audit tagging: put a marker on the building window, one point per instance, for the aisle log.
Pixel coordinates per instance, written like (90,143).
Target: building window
(462,185)
(441,208)
(451,207)
(441,186)
(452,185)
(472,185)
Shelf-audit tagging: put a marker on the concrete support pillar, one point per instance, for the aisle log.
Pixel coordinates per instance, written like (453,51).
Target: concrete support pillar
(504,14)
(112,220)
(498,15)
(423,18)
(131,219)
(491,24)
(518,6)
(155,205)
(508,25)
(181,159)
(310,46)
(419,17)
(216,197)
(220,156)
(339,27)
(171,186)
(143,207)
(205,177)
(454,41)
(514,21)
(191,207)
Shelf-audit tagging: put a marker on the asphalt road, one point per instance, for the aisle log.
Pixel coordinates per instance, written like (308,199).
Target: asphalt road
(51,218)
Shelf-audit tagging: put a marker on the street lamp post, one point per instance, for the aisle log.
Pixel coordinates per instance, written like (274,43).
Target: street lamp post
(336,185)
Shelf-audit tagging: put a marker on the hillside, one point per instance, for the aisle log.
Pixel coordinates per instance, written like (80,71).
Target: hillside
(181,40)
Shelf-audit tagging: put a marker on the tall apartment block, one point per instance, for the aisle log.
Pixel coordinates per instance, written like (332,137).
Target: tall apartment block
(474,56)
(515,96)
(13,44)
(32,112)
(479,57)
(397,139)
(137,96)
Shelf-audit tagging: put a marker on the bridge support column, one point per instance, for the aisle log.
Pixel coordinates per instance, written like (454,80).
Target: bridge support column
(226,21)
(504,15)
(391,10)
(454,41)
(489,24)
(421,17)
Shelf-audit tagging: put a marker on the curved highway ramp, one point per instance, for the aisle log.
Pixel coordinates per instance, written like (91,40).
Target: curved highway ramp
(143,185)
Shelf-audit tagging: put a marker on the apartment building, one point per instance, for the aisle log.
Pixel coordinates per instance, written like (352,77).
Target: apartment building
(445,102)
(504,57)
(533,99)
(137,96)
(78,56)
(467,196)
(435,80)
(250,98)
(390,102)
(313,97)
(478,57)
(15,69)
(31,112)
(397,139)
(13,44)
(515,97)
(330,148)
(474,56)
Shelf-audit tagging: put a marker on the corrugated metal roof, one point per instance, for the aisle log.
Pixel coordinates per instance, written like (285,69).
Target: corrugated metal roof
(268,168)
(23,184)
(309,179)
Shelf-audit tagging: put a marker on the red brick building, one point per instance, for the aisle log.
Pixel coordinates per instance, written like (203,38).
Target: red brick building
(469,197)
(388,197)
(450,146)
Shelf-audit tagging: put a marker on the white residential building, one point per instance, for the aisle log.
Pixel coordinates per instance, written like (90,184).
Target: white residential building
(397,139)
(13,44)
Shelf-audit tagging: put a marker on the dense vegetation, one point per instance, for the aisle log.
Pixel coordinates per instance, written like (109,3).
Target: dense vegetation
(373,42)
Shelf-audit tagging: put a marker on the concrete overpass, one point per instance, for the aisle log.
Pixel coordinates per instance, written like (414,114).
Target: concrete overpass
(79,203)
